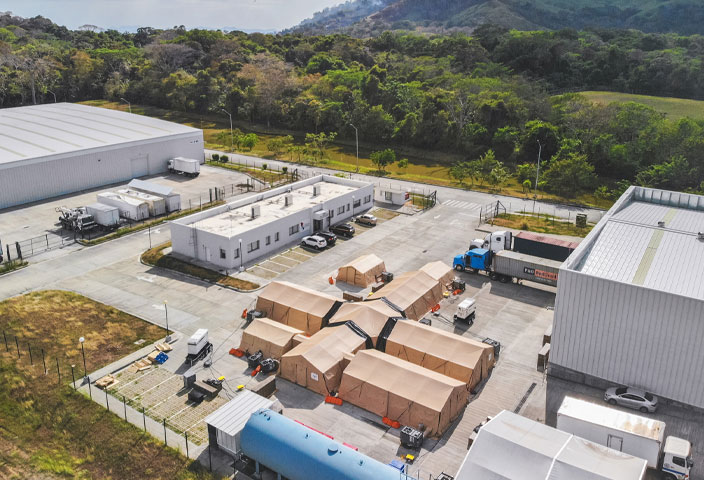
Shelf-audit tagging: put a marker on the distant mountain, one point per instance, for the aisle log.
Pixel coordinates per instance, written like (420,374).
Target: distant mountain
(369,17)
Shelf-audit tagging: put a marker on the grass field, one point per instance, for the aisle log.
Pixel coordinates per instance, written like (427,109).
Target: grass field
(156,257)
(674,108)
(541,224)
(48,431)
(424,166)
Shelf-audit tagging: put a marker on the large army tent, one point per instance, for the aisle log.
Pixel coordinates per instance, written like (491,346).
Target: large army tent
(371,317)
(413,292)
(318,362)
(458,357)
(393,388)
(272,338)
(361,271)
(296,306)
(441,272)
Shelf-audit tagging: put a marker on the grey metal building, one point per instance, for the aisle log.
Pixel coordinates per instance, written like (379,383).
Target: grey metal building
(60,148)
(630,302)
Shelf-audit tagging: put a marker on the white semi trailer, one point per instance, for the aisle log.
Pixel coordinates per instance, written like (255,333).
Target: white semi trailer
(105,216)
(184,166)
(635,435)
(128,207)
(157,205)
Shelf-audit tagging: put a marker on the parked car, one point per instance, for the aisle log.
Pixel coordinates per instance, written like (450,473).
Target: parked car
(343,229)
(632,398)
(367,219)
(314,241)
(330,238)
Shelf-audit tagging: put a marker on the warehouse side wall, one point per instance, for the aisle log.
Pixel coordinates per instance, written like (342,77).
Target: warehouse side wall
(39,180)
(628,335)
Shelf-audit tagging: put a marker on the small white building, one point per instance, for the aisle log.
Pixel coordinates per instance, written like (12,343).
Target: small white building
(242,231)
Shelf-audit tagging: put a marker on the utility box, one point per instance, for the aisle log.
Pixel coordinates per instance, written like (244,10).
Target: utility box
(411,438)
(466,310)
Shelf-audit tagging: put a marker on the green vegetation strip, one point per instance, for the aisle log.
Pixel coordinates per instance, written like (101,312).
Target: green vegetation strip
(11,266)
(156,257)
(540,224)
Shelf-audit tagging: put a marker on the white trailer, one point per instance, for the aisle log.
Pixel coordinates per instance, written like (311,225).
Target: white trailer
(128,207)
(184,166)
(104,215)
(173,200)
(635,435)
(157,205)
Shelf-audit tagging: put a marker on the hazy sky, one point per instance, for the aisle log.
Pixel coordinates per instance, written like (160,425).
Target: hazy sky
(120,14)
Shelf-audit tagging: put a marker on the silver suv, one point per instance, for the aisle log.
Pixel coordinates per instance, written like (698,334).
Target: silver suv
(632,398)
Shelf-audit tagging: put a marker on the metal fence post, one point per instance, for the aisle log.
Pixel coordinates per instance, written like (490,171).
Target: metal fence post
(107,403)
(73,377)
(7,349)
(185,434)
(44,361)
(58,371)
(124,404)
(18,347)
(144,419)
(31,360)
(165,442)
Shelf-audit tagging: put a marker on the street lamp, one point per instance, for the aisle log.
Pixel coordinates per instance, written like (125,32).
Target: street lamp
(166,312)
(52,94)
(232,140)
(356,138)
(85,368)
(241,255)
(353,205)
(537,174)
(129,105)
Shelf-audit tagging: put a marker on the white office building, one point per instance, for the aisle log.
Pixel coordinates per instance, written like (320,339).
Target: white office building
(60,148)
(235,234)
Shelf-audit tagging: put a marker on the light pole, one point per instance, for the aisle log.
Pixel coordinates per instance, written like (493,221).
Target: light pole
(241,256)
(232,140)
(52,94)
(353,205)
(537,174)
(129,105)
(85,368)
(166,312)
(356,138)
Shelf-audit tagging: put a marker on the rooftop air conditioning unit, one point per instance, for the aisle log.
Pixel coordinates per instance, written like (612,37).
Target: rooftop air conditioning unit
(288,200)
(256,211)
(316,190)
(661,224)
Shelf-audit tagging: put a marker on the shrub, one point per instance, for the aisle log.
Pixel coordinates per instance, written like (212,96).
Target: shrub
(264,166)
(215,157)
(284,170)
(224,158)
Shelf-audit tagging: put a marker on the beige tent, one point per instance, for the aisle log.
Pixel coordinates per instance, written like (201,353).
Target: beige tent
(361,271)
(441,272)
(317,363)
(296,306)
(413,292)
(458,357)
(369,316)
(272,338)
(393,388)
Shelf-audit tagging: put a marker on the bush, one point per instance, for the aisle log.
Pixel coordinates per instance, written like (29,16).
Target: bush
(264,166)
(215,157)
(224,158)
(284,170)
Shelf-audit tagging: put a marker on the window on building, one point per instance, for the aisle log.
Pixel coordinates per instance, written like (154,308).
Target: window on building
(341,210)
(253,246)
(331,213)
(276,237)
(387,196)
(222,253)
(348,207)
(237,253)
(367,199)
(357,203)
(268,239)
(293,230)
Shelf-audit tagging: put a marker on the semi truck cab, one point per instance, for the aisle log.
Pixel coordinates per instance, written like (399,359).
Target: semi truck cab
(476,259)
(677,458)
(494,242)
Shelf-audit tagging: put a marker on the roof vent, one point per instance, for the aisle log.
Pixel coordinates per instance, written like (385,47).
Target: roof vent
(288,200)
(316,190)
(700,236)
(661,224)
(256,211)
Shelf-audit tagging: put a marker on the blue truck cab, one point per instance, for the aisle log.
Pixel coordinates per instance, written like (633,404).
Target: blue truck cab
(476,259)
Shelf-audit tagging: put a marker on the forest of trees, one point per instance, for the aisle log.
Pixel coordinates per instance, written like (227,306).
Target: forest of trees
(499,94)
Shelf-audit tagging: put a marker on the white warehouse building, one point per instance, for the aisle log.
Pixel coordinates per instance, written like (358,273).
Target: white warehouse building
(232,235)
(630,304)
(60,148)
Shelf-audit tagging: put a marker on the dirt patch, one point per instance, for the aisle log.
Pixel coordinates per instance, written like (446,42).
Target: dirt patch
(270,265)
(260,272)
(383,213)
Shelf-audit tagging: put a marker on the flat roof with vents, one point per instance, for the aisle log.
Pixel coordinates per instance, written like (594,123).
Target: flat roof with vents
(57,129)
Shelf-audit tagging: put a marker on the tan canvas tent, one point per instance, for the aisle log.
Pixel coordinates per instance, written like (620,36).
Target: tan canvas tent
(361,271)
(393,388)
(318,362)
(296,306)
(441,272)
(272,338)
(413,292)
(458,357)
(369,316)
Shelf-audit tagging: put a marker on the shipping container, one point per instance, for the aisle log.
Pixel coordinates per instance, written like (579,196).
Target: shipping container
(526,267)
(173,200)
(157,205)
(543,246)
(128,207)
(104,215)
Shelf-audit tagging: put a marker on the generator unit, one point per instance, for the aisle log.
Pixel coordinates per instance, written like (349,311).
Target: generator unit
(411,438)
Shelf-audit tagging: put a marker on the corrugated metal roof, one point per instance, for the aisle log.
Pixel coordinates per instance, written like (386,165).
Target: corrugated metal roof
(631,247)
(150,187)
(232,417)
(57,128)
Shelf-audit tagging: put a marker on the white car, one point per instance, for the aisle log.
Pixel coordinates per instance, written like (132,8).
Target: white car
(632,398)
(314,241)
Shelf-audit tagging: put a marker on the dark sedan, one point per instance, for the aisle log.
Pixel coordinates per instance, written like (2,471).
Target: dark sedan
(343,229)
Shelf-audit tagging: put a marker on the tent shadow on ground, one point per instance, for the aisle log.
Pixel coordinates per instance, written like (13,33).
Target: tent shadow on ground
(296,396)
(347,287)
(525,292)
(431,443)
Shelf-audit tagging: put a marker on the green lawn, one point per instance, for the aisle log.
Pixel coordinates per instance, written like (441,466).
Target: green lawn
(674,108)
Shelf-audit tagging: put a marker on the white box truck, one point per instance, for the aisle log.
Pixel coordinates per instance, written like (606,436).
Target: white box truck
(128,207)
(633,434)
(106,216)
(157,205)
(184,166)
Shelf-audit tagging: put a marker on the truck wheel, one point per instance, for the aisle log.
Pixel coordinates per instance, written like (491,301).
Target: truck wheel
(459,267)
(493,276)
(504,279)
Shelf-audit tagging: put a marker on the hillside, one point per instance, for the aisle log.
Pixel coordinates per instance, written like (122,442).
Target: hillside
(673,108)
(369,17)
